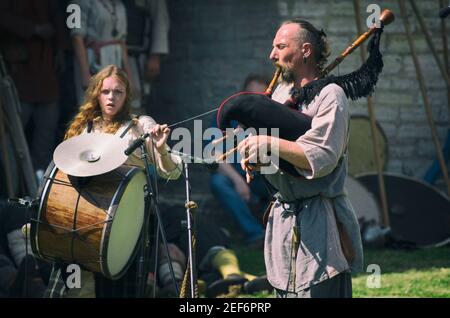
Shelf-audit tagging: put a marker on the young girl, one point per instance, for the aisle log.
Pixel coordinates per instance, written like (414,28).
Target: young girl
(106,109)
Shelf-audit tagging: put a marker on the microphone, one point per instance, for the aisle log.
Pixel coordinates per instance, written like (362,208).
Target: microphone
(136,144)
(444,12)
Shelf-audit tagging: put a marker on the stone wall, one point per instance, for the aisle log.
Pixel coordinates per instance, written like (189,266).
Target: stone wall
(216,43)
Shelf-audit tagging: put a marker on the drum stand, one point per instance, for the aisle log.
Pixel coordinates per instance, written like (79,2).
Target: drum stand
(144,241)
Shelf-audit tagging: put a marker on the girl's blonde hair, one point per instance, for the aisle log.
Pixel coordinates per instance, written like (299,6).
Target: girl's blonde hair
(90,110)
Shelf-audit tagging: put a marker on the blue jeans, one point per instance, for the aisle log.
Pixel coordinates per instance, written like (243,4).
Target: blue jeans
(223,189)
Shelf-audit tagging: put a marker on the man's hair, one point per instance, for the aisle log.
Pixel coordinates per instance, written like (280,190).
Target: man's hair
(317,38)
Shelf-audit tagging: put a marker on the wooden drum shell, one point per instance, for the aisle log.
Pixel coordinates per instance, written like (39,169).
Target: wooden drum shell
(75,218)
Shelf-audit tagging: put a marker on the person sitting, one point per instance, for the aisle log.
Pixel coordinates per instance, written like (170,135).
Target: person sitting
(230,188)
(217,265)
(21,274)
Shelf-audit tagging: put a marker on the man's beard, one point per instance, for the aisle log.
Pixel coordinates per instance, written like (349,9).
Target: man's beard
(287,75)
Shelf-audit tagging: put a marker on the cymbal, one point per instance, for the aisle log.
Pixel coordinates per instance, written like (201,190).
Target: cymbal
(90,154)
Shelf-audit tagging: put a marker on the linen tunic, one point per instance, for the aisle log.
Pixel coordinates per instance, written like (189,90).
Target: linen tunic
(97,26)
(311,204)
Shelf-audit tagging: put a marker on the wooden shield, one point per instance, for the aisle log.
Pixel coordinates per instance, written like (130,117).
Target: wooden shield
(360,149)
(419,214)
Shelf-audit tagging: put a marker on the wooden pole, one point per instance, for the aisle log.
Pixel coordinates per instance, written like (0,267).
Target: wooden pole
(381,185)
(433,50)
(445,48)
(386,17)
(6,159)
(424,95)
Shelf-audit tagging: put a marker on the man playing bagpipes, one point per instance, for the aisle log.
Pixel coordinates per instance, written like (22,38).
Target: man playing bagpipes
(312,242)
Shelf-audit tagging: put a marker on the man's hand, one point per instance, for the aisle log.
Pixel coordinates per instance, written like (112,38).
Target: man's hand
(85,78)
(252,150)
(153,67)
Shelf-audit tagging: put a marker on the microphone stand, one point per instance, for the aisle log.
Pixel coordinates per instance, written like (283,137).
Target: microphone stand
(191,205)
(191,248)
(150,200)
(145,237)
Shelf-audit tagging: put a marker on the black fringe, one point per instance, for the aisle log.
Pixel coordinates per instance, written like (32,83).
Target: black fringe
(360,83)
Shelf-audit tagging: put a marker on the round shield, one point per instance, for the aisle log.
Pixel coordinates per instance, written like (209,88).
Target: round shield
(361,156)
(418,213)
(363,201)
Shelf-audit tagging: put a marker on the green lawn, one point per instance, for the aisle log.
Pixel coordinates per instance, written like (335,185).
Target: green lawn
(412,273)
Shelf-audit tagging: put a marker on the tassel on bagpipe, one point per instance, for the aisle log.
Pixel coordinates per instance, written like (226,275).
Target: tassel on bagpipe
(253,110)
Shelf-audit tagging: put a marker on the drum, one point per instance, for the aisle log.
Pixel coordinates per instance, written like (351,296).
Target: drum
(91,221)
(361,157)
(418,213)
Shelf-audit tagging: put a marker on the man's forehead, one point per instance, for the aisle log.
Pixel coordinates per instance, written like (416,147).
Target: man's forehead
(287,32)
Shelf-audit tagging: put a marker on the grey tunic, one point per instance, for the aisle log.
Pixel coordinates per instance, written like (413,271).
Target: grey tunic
(157,43)
(312,204)
(97,25)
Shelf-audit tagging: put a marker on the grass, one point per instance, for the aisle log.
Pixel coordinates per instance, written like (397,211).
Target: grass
(404,273)
(417,273)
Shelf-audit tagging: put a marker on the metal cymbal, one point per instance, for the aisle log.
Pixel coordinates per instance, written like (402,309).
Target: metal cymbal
(90,154)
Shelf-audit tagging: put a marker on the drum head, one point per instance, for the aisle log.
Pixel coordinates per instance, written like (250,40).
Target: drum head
(363,201)
(418,213)
(361,157)
(127,224)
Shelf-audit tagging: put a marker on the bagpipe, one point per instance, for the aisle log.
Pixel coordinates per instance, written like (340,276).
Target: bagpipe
(258,110)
